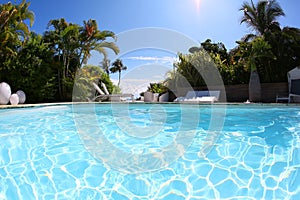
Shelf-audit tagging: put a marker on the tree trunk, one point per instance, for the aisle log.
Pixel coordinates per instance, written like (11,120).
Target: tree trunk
(59,85)
(254,87)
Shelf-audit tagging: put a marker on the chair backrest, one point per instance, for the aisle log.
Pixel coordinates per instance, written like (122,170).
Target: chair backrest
(293,74)
(98,89)
(203,93)
(215,93)
(104,88)
(295,86)
(190,94)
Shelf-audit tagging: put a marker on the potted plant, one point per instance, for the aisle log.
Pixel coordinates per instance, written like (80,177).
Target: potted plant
(156,92)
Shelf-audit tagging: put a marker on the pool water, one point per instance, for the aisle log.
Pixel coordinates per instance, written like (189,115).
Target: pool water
(127,151)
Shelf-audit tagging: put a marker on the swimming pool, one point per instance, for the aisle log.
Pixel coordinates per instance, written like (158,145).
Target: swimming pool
(102,151)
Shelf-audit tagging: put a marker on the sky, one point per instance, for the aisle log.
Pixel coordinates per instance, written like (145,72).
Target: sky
(191,21)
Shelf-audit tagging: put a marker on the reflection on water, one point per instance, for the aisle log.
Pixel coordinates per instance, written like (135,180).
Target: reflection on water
(43,154)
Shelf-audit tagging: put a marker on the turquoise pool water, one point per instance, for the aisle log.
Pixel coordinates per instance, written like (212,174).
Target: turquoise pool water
(126,151)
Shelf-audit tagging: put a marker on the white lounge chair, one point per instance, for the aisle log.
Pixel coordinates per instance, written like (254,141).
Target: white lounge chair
(200,96)
(294,83)
(103,96)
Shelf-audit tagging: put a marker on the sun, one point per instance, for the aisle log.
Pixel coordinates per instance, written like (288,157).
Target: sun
(197,2)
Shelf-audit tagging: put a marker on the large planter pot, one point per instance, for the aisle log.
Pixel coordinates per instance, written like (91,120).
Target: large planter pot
(14,99)
(254,87)
(155,97)
(5,93)
(164,97)
(148,97)
(22,96)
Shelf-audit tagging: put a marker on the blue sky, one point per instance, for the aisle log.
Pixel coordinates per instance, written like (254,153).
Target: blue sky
(218,20)
(215,19)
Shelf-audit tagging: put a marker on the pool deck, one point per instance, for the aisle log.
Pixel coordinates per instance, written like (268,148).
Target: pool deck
(141,102)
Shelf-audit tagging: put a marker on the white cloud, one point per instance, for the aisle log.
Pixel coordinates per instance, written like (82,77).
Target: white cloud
(157,60)
(139,78)
(135,86)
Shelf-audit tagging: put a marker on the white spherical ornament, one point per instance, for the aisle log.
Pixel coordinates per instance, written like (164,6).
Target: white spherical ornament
(5,93)
(14,99)
(22,96)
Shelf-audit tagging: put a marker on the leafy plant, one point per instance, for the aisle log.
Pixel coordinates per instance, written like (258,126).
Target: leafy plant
(86,76)
(157,88)
(33,71)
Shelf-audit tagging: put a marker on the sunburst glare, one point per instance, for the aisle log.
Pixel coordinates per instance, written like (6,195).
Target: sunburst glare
(197,2)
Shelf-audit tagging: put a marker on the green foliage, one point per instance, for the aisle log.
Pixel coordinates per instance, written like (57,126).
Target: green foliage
(262,17)
(45,66)
(72,45)
(216,50)
(260,57)
(232,72)
(33,72)
(112,89)
(85,77)
(64,41)
(193,66)
(157,88)
(193,70)
(93,39)
(230,65)
(272,55)
(278,49)
(13,31)
(285,46)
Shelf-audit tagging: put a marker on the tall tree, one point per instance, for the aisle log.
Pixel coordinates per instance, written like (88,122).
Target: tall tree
(12,18)
(63,39)
(13,30)
(93,39)
(118,66)
(262,17)
(215,49)
(286,47)
(105,64)
(34,72)
(73,45)
(260,50)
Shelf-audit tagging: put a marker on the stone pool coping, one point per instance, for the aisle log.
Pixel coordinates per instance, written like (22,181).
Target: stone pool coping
(137,102)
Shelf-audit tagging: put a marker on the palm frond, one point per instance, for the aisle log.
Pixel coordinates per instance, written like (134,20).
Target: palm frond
(102,51)
(109,45)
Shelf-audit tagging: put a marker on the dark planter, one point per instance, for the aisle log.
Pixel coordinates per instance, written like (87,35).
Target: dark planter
(254,87)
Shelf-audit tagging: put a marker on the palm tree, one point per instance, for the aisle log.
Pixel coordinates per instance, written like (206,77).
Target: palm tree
(64,41)
(262,17)
(94,39)
(118,67)
(14,15)
(73,45)
(13,30)
(104,64)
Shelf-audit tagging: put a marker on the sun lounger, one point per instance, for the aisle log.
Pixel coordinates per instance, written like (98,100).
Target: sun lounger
(294,84)
(121,97)
(200,96)
(103,96)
